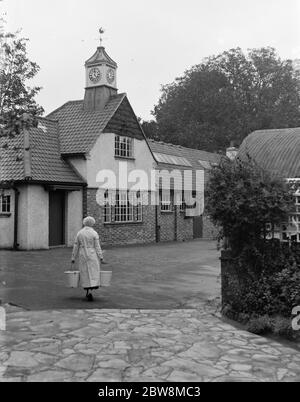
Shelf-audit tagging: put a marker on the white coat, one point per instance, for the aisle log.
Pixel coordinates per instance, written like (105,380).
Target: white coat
(87,245)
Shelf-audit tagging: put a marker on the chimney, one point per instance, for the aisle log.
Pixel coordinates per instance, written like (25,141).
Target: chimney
(232,151)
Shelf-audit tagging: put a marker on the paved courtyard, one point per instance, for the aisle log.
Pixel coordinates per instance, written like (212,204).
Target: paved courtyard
(157,322)
(153,276)
(138,345)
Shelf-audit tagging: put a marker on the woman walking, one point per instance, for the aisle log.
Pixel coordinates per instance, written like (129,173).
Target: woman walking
(87,246)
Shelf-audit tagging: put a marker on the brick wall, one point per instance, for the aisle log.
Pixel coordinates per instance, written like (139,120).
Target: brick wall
(135,233)
(184,227)
(170,228)
(121,233)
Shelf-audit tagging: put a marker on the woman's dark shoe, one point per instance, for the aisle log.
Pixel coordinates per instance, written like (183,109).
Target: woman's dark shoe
(90,297)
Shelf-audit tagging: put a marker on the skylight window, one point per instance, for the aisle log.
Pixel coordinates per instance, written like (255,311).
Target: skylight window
(171,159)
(205,164)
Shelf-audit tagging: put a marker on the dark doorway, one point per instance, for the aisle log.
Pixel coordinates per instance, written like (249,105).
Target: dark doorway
(198,227)
(56,218)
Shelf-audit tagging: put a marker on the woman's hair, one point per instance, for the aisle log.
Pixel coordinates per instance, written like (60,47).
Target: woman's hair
(89,221)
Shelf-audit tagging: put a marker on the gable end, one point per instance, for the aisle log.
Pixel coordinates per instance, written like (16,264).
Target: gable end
(124,122)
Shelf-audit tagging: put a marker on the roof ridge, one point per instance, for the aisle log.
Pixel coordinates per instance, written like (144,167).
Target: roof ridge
(63,105)
(181,146)
(48,119)
(274,129)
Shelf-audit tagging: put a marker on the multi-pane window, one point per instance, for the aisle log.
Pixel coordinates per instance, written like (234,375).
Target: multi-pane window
(123,147)
(166,204)
(4,203)
(179,200)
(107,207)
(122,207)
(138,207)
(290,231)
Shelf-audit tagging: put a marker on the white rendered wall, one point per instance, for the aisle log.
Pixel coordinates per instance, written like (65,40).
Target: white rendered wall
(102,157)
(74,215)
(33,220)
(7,223)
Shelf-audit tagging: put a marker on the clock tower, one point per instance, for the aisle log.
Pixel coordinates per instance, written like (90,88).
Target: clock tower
(101,82)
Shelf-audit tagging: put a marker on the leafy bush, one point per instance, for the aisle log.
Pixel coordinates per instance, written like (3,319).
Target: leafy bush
(282,326)
(263,280)
(264,284)
(277,325)
(260,325)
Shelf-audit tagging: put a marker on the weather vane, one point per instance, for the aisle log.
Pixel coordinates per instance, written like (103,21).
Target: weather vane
(101,32)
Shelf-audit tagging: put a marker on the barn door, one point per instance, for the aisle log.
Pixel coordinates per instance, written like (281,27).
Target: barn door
(56,218)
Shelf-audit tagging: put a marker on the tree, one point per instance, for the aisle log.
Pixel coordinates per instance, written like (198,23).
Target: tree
(226,97)
(150,129)
(18,108)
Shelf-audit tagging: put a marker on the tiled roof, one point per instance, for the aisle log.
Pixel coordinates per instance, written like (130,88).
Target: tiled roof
(79,128)
(194,156)
(277,151)
(45,160)
(11,158)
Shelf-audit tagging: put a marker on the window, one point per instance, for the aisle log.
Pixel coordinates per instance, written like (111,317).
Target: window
(180,200)
(290,231)
(166,201)
(138,209)
(123,147)
(171,159)
(206,164)
(4,204)
(107,207)
(122,207)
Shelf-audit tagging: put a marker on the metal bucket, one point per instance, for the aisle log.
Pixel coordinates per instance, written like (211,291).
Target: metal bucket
(105,278)
(72,279)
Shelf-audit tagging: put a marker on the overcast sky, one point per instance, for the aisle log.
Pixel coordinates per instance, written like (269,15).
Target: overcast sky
(153,41)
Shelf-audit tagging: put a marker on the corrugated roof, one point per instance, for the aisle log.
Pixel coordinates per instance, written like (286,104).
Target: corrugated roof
(45,159)
(79,128)
(277,151)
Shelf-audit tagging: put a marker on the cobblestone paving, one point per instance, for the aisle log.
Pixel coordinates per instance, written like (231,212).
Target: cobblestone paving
(138,345)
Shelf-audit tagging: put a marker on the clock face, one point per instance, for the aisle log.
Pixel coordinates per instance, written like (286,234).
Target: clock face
(110,76)
(94,74)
